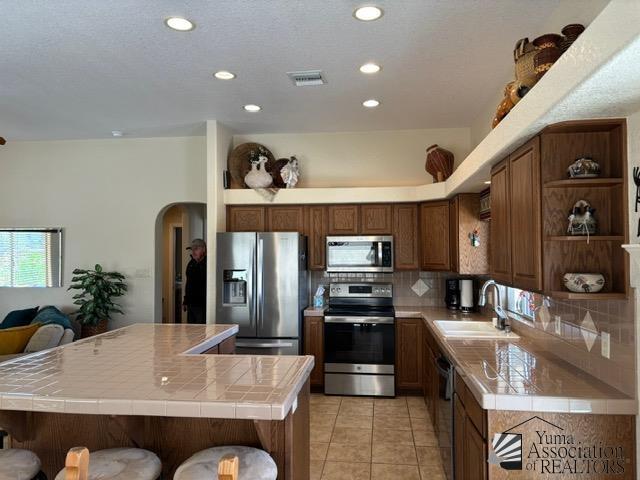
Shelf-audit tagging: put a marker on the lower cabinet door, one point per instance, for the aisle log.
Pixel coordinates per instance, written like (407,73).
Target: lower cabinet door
(409,353)
(475,453)
(459,419)
(314,345)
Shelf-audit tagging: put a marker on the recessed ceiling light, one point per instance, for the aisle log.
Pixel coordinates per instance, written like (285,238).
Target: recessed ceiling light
(368,13)
(370,68)
(371,103)
(224,75)
(117,133)
(488,182)
(252,108)
(180,24)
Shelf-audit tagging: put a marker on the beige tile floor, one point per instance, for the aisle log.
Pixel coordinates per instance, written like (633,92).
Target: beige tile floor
(360,438)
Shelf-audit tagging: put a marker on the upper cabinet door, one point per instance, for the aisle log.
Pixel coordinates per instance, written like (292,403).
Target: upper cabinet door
(525,199)
(406,238)
(454,246)
(344,219)
(434,223)
(376,219)
(245,219)
(285,219)
(500,244)
(316,234)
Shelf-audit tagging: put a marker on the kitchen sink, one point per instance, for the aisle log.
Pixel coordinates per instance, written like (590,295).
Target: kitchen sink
(470,329)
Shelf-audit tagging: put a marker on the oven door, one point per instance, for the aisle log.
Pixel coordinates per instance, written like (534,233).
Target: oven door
(359,344)
(360,254)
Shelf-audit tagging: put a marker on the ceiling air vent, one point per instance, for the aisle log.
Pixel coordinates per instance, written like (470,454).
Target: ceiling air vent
(307,78)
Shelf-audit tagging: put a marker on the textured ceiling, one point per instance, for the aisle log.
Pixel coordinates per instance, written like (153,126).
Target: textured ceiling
(82,68)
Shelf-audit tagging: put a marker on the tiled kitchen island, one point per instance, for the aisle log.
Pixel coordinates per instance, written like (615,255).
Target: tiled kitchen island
(155,387)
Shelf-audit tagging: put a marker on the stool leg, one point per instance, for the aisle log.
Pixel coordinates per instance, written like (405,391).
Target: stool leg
(228,467)
(77,464)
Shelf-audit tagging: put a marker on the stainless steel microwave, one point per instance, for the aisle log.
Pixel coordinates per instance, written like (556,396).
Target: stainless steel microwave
(360,254)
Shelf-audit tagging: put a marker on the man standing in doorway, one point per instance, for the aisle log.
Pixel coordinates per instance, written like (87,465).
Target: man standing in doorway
(195,292)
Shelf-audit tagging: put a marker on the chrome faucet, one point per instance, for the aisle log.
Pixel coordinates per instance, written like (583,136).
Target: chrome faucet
(503,319)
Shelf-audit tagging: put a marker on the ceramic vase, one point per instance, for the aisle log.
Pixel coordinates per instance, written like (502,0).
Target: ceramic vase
(258,177)
(571,33)
(439,163)
(548,52)
(584,282)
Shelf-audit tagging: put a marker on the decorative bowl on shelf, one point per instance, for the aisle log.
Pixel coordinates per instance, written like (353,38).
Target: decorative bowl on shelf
(584,282)
(584,167)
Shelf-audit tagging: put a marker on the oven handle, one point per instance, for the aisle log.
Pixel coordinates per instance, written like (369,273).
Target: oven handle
(369,320)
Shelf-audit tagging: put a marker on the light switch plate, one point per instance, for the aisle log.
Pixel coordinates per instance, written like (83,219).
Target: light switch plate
(605,342)
(558,324)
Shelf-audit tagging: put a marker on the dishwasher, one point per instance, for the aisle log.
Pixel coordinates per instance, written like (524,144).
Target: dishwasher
(444,411)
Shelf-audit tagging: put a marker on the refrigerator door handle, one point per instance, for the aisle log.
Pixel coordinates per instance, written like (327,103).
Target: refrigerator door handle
(260,282)
(264,345)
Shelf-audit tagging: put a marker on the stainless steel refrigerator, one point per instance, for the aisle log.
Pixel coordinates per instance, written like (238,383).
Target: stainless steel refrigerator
(262,287)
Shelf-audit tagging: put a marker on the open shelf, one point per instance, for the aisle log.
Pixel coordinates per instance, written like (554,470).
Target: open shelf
(583,238)
(604,141)
(584,182)
(565,295)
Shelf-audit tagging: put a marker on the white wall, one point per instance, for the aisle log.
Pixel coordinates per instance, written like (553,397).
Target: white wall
(363,159)
(107,195)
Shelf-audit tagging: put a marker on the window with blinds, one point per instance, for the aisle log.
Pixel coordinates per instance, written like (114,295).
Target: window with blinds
(30,257)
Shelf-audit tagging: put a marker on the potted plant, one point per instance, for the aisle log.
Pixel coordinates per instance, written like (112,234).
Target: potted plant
(98,289)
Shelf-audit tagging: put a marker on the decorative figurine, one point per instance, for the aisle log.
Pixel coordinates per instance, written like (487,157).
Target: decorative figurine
(290,173)
(474,237)
(584,167)
(581,221)
(258,177)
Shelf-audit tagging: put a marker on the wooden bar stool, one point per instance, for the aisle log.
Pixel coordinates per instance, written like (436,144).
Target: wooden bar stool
(17,464)
(252,464)
(110,464)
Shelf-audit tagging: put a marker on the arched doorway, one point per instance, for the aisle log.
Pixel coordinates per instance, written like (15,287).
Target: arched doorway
(178,224)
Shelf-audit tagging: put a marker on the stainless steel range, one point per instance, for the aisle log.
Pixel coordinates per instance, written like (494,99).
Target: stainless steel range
(359,340)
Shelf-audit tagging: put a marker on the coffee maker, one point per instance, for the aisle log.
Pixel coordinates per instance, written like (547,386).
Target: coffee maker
(452,293)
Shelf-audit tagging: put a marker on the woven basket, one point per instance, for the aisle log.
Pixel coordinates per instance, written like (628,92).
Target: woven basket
(523,56)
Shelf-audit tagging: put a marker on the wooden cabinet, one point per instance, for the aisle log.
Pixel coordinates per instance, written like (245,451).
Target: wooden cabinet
(316,232)
(500,244)
(245,219)
(376,219)
(524,203)
(470,435)
(406,237)
(458,436)
(430,378)
(475,453)
(285,219)
(344,219)
(314,345)
(409,354)
(464,220)
(434,230)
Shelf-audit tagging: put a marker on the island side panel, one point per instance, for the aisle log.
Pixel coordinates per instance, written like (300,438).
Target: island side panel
(614,433)
(288,441)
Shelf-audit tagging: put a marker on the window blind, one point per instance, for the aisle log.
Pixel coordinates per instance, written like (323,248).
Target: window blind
(30,257)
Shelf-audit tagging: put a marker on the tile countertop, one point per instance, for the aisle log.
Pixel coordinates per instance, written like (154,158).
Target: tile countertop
(154,369)
(521,374)
(314,312)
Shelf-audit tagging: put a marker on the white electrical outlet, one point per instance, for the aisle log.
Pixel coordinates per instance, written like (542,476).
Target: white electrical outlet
(558,324)
(605,342)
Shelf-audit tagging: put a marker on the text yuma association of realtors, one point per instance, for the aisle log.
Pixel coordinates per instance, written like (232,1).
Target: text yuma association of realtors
(561,454)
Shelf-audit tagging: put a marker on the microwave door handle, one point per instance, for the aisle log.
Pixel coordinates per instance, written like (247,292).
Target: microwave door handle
(380,254)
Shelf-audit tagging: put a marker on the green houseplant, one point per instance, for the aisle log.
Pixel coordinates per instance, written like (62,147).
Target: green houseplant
(95,299)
